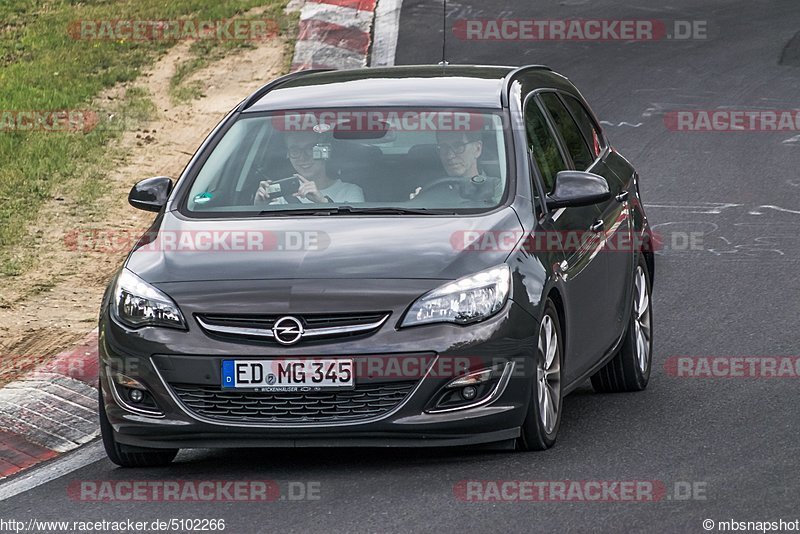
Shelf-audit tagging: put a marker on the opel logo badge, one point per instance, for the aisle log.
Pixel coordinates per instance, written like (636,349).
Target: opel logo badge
(287,330)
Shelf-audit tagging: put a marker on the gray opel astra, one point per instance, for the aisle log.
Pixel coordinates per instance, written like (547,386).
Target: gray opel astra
(408,256)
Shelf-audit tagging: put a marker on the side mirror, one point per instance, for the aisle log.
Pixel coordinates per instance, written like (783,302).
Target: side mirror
(578,188)
(150,194)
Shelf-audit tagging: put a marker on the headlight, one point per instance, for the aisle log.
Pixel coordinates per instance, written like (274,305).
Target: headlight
(466,300)
(137,303)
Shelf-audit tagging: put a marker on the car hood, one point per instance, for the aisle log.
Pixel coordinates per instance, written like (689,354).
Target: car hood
(320,247)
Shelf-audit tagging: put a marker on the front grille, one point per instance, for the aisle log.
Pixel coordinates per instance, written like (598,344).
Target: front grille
(363,402)
(315,325)
(309,320)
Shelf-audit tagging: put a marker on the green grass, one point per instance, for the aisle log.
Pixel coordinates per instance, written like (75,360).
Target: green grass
(43,67)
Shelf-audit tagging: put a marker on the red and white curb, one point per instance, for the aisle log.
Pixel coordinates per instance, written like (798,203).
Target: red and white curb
(51,410)
(334,34)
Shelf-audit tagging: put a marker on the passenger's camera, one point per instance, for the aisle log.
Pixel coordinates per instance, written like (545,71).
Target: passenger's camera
(283,188)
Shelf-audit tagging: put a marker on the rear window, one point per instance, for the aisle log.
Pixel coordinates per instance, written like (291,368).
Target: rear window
(437,160)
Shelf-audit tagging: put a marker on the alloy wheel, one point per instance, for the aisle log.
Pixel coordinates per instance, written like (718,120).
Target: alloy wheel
(548,379)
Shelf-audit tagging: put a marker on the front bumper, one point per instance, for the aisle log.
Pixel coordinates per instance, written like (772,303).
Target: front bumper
(159,358)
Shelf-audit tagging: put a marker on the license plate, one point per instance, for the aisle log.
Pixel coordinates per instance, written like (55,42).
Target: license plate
(287,375)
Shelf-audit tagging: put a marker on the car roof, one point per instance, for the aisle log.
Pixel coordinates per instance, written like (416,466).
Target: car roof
(429,85)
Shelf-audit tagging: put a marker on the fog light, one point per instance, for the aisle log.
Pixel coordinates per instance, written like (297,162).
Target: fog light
(469,392)
(132,395)
(472,390)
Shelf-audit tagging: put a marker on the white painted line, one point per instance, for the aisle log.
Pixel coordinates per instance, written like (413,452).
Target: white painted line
(623,123)
(52,470)
(387,29)
(792,140)
(705,208)
(776,208)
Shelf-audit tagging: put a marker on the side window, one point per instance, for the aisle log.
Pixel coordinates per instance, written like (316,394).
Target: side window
(569,131)
(542,145)
(591,133)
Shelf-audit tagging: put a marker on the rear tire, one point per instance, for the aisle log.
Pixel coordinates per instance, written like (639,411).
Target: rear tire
(629,370)
(142,457)
(544,408)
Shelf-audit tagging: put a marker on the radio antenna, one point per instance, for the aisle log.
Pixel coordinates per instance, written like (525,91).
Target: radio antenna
(444,34)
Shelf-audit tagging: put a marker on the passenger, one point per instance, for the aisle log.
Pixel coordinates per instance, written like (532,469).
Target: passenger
(315,184)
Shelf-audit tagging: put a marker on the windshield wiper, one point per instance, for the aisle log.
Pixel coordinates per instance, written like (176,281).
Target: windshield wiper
(394,210)
(350,210)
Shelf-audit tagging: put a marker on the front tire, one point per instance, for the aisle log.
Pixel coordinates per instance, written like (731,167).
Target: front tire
(630,368)
(544,408)
(142,457)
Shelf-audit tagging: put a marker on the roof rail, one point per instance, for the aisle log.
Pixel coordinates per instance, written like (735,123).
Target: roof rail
(274,84)
(513,74)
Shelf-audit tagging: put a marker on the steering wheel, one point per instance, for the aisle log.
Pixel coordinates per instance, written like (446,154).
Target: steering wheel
(436,188)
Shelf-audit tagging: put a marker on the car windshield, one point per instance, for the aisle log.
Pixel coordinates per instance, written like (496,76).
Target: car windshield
(382,160)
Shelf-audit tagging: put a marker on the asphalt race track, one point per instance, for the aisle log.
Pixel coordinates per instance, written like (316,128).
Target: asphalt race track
(726,205)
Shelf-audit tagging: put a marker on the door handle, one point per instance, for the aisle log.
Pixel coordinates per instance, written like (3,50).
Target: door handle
(597,226)
(622,197)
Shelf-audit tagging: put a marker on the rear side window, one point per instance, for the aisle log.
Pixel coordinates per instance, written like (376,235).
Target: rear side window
(591,133)
(568,128)
(542,145)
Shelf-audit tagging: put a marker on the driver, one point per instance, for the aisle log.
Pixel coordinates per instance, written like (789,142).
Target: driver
(315,184)
(459,153)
